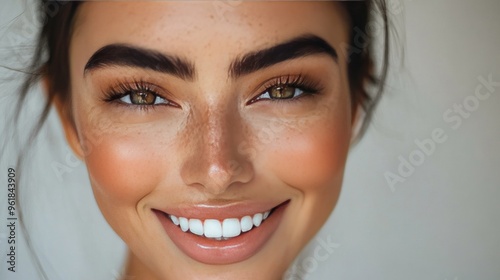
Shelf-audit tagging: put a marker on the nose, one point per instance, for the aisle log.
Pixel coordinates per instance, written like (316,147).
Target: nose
(212,161)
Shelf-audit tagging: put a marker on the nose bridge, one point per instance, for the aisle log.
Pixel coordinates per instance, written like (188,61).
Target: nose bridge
(214,162)
(219,135)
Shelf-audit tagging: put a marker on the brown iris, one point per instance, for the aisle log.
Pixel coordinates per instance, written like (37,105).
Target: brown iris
(142,98)
(281,92)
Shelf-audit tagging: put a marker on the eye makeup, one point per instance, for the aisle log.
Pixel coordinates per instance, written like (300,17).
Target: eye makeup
(136,94)
(142,95)
(283,85)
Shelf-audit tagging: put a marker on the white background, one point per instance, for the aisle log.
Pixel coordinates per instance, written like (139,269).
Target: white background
(441,223)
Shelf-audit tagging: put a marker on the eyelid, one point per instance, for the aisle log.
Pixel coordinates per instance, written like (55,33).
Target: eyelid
(310,86)
(123,88)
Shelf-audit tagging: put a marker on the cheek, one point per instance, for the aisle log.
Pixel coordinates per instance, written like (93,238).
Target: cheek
(310,154)
(123,168)
(125,161)
(313,159)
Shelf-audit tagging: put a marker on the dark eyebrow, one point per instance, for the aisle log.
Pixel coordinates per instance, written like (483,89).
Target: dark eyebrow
(298,47)
(132,56)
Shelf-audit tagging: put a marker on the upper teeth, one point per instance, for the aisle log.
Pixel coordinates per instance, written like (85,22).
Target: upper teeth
(212,228)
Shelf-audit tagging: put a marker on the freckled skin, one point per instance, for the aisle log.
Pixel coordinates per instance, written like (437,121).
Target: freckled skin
(215,146)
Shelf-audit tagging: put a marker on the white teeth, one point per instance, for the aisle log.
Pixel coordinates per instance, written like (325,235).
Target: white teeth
(174,219)
(212,228)
(231,228)
(184,224)
(246,223)
(257,219)
(266,214)
(195,226)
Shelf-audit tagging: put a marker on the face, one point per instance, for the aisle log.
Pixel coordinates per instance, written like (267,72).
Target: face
(215,136)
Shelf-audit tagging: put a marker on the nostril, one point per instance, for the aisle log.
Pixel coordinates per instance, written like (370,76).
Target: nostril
(235,167)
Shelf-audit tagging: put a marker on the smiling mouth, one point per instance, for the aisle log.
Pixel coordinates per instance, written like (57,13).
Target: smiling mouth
(220,230)
(222,234)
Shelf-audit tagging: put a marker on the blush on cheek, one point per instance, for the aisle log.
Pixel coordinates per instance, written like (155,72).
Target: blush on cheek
(311,160)
(122,169)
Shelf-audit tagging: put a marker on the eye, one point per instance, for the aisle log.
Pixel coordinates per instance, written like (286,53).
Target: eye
(138,94)
(142,97)
(288,89)
(281,92)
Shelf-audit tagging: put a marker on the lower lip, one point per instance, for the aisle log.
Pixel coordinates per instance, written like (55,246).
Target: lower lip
(234,250)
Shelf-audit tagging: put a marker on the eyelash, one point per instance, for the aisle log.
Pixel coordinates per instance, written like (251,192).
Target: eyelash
(308,87)
(122,89)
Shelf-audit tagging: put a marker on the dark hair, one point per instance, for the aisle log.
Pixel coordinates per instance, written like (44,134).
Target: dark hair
(51,60)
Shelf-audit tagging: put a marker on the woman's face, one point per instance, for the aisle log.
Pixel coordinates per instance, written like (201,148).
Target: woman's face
(197,119)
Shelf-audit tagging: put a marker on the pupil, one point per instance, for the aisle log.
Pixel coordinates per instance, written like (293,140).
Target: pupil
(282,92)
(142,98)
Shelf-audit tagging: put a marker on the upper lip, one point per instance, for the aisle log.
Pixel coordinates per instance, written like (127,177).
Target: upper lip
(205,211)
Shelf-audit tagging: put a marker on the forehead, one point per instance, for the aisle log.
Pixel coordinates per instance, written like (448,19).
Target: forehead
(203,30)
